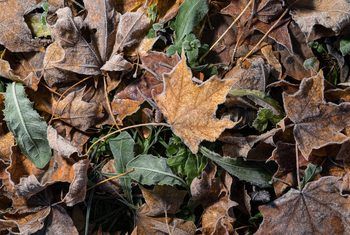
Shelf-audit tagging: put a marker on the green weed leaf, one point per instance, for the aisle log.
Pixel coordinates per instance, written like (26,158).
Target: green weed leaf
(152,170)
(239,168)
(28,128)
(122,148)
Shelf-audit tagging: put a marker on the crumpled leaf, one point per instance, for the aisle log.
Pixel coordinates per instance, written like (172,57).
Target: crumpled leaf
(77,112)
(15,33)
(317,209)
(26,125)
(332,15)
(317,123)
(151,170)
(190,108)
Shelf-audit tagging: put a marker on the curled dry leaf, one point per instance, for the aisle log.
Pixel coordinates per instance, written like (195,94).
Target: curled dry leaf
(15,33)
(331,15)
(218,217)
(190,108)
(317,123)
(74,111)
(60,144)
(317,209)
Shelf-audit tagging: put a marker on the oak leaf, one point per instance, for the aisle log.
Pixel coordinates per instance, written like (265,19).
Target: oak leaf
(317,209)
(317,123)
(190,108)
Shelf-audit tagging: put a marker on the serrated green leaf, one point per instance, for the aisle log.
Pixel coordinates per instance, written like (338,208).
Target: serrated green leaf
(241,169)
(152,170)
(28,128)
(191,13)
(122,148)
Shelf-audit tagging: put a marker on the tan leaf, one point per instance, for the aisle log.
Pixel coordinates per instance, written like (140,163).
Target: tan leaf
(317,209)
(333,15)
(128,101)
(6,142)
(190,108)
(15,33)
(77,112)
(317,123)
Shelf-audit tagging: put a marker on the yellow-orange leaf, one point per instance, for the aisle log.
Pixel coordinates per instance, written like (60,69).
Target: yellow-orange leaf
(190,108)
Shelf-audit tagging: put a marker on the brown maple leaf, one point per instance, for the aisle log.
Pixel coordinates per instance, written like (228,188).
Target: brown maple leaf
(317,123)
(317,209)
(190,108)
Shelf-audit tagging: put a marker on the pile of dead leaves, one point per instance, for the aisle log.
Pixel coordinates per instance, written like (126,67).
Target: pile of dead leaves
(174,117)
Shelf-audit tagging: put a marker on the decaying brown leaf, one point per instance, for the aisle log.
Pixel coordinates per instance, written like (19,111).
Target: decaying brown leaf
(317,209)
(77,112)
(190,108)
(315,16)
(317,123)
(156,216)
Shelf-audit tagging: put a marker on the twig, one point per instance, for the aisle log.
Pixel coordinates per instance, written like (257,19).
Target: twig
(228,29)
(297,163)
(107,102)
(266,34)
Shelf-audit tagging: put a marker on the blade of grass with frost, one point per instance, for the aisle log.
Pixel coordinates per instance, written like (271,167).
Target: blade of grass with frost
(28,128)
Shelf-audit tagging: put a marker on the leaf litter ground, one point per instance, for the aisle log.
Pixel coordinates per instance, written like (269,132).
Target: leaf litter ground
(174,117)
